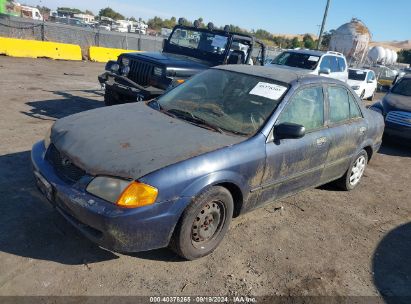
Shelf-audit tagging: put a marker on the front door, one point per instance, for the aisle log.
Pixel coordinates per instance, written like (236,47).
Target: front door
(296,164)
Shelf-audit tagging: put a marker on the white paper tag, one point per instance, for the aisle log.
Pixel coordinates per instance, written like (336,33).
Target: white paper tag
(219,41)
(268,90)
(313,58)
(360,72)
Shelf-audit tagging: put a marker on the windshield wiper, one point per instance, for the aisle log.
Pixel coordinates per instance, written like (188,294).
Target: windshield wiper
(190,117)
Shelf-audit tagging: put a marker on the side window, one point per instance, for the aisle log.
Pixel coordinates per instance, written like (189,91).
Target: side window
(369,76)
(339,104)
(372,75)
(354,108)
(325,63)
(306,108)
(334,64)
(341,64)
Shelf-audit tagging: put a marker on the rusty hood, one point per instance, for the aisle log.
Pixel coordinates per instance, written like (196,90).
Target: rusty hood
(131,140)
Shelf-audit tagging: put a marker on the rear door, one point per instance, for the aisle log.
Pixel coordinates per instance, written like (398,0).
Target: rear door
(295,164)
(347,128)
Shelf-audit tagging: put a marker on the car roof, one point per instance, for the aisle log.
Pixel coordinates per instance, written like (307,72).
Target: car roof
(277,73)
(365,70)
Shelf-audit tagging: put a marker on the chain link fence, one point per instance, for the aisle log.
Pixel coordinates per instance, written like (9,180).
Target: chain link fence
(20,28)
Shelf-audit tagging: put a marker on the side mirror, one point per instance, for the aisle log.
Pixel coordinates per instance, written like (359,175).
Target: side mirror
(164,43)
(288,130)
(325,71)
(370,81)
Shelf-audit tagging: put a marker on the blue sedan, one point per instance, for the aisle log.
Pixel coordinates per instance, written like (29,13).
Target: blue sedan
(174,171)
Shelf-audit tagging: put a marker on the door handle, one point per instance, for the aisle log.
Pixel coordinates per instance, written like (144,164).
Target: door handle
(321,141)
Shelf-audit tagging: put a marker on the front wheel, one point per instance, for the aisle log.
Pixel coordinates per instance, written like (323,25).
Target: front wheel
(203,224)
(352,177)
(372,96)
(110,98)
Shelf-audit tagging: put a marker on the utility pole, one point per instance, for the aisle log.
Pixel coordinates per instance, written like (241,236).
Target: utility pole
(323,24)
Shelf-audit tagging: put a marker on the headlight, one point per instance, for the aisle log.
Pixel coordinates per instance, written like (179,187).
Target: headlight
(114,68)
(121,192)
(355,88)
(125,61)
(158,71)
(47,138)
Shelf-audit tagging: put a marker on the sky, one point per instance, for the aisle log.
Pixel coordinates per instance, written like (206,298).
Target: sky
(386,20)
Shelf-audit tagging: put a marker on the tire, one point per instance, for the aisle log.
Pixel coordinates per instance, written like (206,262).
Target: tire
(348,182)
(110,98)
(372,96)
(195,235)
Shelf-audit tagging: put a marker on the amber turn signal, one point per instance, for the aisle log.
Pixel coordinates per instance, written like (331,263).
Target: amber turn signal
(137,195)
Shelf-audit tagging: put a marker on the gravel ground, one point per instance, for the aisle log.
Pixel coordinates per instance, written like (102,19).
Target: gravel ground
(322,242)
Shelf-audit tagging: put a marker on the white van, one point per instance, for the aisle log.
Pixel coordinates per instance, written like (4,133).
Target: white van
(328,64)
(30,12)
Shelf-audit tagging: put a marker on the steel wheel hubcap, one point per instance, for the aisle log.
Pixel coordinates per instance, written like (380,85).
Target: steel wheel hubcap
(207,223)
(357,170)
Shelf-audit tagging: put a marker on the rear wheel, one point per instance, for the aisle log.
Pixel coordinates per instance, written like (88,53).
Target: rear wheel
(352,177)
(110,98)
(203,224)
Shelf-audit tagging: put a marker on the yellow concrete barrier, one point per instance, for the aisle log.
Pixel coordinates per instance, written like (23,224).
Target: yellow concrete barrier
(101,54)
(35,49)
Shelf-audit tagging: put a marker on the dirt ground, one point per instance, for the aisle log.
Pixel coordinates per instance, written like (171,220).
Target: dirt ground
(322,242)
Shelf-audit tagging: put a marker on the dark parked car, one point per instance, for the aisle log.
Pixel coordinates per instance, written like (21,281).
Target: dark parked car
(187,51)
(396,109)
(175,170)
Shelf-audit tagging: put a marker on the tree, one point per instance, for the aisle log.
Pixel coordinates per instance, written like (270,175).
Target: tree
(132,19)
(88,12)
(308,42)
(325,42)
(110,13)
(70,10)
(263,34)
(295,43)
(404,56)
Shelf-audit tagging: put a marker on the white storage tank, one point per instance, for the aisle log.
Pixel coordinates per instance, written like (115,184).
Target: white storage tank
(376,54)
(388,57)
(352,40)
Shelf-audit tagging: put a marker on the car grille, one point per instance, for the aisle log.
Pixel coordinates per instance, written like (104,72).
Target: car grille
(140,72)
(63,167)
(399,118)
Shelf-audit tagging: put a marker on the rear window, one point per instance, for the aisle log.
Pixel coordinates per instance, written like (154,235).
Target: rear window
(298,60)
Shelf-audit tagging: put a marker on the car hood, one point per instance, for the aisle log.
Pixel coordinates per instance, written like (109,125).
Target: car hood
(131,140)
(352,82)
(169,59)
(396,102)
(290,68)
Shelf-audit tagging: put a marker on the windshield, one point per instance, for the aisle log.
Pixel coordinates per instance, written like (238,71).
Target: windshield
(227,101)
(298,60)
(198,40)
(357,75)
(403,87)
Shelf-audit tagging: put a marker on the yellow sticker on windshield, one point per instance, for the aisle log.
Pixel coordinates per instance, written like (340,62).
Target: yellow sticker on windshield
(268,90)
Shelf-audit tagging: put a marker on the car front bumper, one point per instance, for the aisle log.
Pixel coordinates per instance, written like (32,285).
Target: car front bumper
(112,227)
(126,87)
(396,130)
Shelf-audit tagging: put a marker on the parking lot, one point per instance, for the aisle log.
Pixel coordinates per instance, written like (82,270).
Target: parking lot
(319,242)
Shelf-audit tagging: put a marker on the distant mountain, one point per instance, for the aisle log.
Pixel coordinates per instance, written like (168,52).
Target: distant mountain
(395,45)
